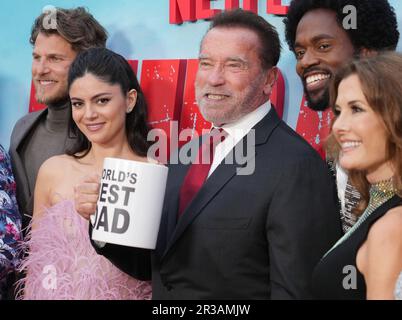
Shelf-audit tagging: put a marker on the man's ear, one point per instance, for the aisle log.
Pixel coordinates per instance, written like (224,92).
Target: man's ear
(271,77)
(131,100)
(367,53)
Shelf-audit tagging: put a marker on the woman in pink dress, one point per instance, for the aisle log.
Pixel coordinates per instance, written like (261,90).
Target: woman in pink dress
(109,120)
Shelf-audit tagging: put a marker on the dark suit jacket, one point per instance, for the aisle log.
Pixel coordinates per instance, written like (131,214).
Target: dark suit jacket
(253,236)
(20,131)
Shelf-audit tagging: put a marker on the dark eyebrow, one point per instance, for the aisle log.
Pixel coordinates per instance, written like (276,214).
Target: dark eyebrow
(94,97)
(75,98)
(50,55)
(317,38)
(57,55)
(100,95)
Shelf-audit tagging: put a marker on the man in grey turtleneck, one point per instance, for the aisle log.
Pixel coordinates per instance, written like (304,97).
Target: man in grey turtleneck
(57,37)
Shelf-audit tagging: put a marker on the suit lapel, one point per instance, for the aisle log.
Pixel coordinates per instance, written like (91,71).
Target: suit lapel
(26,127)
(219,178)
(222,175)
(22,132)
(171,206)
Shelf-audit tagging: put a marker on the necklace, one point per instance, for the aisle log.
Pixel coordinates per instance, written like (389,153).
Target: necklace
(380,192)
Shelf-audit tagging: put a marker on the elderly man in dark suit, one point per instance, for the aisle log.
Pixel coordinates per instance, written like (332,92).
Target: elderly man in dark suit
(43,134)
(251,229)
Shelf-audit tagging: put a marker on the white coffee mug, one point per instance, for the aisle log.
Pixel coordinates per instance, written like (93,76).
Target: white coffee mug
(129,206)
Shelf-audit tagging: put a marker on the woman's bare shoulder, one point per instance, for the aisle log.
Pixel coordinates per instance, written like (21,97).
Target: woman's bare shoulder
(388,227)
(59,164)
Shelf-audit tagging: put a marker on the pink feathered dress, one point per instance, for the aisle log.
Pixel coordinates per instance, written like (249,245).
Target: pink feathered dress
(62,264)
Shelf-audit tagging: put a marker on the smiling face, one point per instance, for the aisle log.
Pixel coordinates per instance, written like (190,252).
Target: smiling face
(321,47)
(360,132)
(230,80)
(52,57)
(99,109)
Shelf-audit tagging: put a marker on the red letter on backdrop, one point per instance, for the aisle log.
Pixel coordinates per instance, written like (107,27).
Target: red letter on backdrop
(191,117)
(181,10)
(204,10)
(163,82)
(250,5)
(134,65)
(33,104)
(276,7)
(231,4)
(278,94)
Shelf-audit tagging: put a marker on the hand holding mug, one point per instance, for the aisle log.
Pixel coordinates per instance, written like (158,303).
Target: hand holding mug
(86,195)
(129,202)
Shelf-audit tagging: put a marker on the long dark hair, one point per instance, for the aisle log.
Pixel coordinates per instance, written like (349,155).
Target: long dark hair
(114,69)
(380,78)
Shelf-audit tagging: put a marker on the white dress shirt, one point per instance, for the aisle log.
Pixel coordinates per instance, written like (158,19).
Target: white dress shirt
(236,131)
